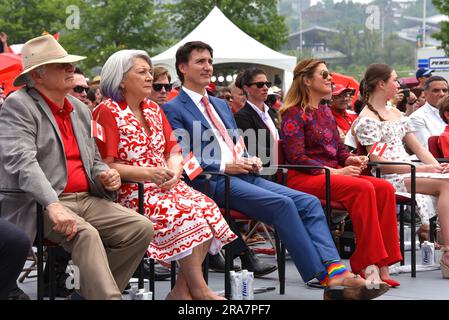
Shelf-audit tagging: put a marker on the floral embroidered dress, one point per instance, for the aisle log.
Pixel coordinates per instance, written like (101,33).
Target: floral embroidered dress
(182,217)
(370,131)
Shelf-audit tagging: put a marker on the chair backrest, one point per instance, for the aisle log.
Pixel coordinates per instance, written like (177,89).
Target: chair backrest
(434,148)
(279,148)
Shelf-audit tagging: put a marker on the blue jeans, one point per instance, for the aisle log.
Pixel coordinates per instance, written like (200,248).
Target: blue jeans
(298,218)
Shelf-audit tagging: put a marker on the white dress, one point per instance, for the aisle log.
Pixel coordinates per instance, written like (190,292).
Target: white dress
(369,131)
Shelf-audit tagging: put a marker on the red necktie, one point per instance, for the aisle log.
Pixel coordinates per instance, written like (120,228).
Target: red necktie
(218,125)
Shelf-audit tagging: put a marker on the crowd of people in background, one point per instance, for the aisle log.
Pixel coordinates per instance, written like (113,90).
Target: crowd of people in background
(140,111)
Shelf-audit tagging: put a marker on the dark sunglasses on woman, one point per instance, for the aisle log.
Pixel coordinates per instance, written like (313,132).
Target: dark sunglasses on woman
(325,74)
(260,84)
(80,89)
(158,86)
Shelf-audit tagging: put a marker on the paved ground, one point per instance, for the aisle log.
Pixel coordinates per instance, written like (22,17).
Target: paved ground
(428,285)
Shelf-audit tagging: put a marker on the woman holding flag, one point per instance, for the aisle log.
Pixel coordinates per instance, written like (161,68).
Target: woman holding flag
(311,137)
(138,142)
(384,125)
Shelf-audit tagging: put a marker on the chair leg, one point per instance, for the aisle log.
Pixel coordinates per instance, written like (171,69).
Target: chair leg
(152,277)
(401,233)
(280,250)
(413,244)
(51,272)
(141,274)
(173,274)
(227,277)
(206,269)
(27,271)
(40,273)
(433,227)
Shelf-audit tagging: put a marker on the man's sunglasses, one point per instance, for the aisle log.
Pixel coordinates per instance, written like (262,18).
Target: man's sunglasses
(158,86)
(260,84)
(325,74)
(80,89)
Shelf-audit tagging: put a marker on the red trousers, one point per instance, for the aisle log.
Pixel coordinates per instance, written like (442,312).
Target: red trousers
(371,205)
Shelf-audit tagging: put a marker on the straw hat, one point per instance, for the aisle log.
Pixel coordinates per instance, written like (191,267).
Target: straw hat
(40,51)
(96,79)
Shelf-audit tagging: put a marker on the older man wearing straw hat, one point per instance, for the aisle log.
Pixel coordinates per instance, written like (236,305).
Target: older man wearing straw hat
(47,151)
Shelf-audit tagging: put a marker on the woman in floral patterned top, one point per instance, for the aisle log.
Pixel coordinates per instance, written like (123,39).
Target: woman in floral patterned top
(379,122)
(141,147)
(311,137)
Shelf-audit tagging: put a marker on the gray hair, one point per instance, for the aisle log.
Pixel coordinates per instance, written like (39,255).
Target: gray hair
(432,79)
(115,69)
(29,81)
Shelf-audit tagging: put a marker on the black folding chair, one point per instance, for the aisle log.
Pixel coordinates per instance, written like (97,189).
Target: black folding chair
(41,242)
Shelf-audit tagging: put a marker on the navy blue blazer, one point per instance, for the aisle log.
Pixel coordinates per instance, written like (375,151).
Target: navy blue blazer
(194,133)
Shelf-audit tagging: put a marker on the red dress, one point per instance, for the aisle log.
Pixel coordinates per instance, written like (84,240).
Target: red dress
(311,138)
(182,217)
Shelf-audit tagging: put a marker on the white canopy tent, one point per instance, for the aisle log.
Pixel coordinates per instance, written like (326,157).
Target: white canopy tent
(230,45)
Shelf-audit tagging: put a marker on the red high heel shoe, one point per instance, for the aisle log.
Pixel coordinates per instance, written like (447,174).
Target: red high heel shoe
(392,283)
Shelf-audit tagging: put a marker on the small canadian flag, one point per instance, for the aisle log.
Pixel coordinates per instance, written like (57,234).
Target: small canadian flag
(97,131)
(239,148)
(378,149)
(191,166)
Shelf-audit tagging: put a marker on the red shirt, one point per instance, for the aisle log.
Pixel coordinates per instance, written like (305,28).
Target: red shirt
(443,142)
(76,175)
(344,121)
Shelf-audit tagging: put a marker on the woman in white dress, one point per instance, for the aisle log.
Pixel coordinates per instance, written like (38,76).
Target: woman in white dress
(379,122)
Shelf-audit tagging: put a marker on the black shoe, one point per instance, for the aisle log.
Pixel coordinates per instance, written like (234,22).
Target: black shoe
(217,264)
(61,290)
(75,296)
(160,272)
(252,263)
(18,294)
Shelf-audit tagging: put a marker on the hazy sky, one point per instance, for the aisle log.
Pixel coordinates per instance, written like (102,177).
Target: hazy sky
(356,1)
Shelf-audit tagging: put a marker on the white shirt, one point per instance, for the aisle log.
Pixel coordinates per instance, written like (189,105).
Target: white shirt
(265,116)
(426,122)
(227,155)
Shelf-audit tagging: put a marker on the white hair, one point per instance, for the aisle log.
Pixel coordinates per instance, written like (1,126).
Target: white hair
(115,69)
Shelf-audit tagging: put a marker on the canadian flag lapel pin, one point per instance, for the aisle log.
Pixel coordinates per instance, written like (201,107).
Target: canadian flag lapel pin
(97,131)
(191,166)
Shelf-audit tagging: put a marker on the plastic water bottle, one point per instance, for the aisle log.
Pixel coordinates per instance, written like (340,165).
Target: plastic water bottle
(428,253)
(236,285)
(247,285)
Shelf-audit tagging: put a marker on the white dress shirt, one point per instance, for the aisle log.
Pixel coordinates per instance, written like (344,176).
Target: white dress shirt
(265,116)
(426,122)
(227,155)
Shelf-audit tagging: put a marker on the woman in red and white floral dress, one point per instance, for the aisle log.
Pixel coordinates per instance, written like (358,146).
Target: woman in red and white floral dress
(141,147)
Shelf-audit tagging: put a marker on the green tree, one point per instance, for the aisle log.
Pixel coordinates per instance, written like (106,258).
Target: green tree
(26,19)
(258,18)
(105,26)
(443,35)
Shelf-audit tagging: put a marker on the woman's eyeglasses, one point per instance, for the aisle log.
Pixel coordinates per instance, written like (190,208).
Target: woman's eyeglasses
(260,84)
(158,86)
(80,89)
(325,74)
(228,98)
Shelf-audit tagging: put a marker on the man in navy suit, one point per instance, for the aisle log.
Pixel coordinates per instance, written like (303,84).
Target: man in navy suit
(298,217)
